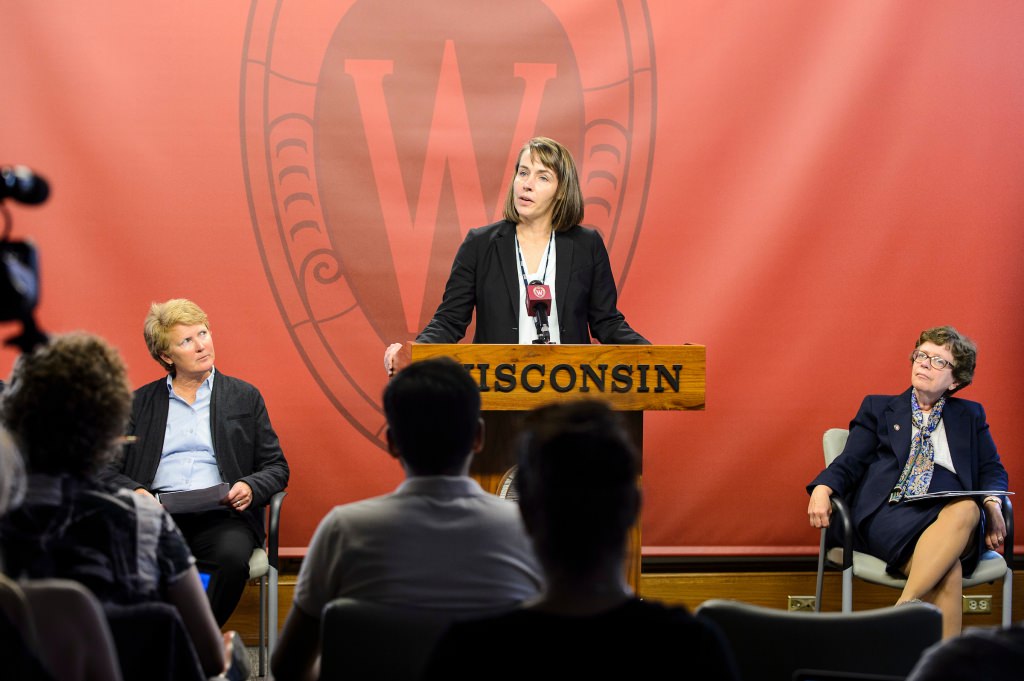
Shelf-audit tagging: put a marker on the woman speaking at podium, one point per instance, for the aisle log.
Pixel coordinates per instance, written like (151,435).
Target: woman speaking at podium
(536,276)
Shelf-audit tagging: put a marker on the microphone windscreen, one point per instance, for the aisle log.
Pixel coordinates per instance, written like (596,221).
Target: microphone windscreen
(537,294)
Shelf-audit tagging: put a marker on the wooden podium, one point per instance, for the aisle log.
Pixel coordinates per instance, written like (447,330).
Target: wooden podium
(516,378)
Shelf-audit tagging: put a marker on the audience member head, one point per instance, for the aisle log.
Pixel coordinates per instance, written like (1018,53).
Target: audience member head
(963,349)
(162,318)
(433,413)
(578,484)
(67,405)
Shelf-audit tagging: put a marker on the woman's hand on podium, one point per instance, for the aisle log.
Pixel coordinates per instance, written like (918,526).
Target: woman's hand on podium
(390,358)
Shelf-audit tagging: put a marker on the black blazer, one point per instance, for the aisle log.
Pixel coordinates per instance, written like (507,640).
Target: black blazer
(879,446)
(244,443)
(485,277)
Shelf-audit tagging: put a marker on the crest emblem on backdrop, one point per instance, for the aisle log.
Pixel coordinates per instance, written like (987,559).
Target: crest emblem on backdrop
(376,133)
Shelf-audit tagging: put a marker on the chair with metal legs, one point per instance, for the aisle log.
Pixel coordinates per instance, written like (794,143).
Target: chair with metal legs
(263,566)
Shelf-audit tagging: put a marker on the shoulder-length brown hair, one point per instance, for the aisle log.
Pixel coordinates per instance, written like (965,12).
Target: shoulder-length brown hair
(567,208)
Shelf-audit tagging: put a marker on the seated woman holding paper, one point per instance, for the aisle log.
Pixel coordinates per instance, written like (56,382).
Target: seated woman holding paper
(198,430)
(921,441)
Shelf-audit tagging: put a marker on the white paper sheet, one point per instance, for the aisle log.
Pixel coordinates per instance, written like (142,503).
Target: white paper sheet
(958,493)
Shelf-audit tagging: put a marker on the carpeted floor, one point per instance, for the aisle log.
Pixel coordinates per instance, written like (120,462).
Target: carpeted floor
(254,665)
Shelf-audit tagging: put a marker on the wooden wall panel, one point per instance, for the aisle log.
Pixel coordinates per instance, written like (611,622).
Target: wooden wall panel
(767,588)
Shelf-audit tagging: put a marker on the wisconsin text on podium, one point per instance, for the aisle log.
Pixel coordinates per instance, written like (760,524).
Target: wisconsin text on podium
(583,378)
(631,377)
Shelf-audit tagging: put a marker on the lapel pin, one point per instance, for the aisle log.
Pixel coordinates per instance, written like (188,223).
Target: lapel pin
(896,427)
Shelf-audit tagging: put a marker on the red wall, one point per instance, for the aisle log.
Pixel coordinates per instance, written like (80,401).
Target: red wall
(801,186)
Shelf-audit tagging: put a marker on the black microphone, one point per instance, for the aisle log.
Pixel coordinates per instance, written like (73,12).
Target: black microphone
(538,302)
(22,185)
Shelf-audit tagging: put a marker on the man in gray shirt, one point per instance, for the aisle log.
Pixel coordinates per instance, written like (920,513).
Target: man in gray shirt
(438,541)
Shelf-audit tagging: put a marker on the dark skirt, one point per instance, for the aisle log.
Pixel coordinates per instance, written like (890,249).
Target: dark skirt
(891,533)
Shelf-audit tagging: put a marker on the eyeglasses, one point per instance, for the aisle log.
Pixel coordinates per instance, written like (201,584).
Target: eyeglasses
(920,357)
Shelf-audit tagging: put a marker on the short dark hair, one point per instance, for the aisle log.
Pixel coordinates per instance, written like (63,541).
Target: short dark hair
(67,405)
(963,349)
(433,412)
(577,482)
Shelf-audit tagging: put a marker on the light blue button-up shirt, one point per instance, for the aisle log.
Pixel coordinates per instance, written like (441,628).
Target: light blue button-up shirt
(187,461)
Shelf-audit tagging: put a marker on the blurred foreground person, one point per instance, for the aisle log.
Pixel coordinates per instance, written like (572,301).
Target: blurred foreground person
(66,406)
(50,629)
(978,653)
(579,497)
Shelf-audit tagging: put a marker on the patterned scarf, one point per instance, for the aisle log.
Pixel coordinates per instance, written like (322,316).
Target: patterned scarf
(917,474)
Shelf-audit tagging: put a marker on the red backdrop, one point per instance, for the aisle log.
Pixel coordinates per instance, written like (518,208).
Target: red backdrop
(801,186)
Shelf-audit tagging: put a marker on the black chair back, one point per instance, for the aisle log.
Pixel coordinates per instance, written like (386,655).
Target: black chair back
(365,640)
(152,643)
(774,645)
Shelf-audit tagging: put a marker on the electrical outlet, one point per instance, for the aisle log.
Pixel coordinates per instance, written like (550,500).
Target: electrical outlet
(805,603)
(977,605)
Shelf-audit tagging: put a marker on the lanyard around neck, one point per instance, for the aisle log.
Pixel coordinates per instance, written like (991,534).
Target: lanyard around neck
(547,256)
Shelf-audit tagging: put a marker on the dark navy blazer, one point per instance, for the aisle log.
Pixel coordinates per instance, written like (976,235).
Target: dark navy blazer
(879,446)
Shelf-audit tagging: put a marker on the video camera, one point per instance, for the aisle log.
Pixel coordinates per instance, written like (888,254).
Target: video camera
(19,265)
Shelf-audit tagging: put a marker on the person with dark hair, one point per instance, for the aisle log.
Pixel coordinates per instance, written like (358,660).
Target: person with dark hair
(196,428)
(540,239)
(578,488)
(978,653)
(66,407)
(50,629)
(438,541)
(901,446)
